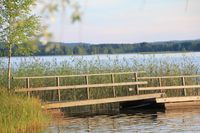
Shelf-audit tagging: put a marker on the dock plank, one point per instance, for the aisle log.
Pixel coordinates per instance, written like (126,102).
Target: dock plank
(101,101)
(182,105)
(178,99)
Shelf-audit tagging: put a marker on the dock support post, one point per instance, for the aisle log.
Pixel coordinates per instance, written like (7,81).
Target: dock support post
(58,84)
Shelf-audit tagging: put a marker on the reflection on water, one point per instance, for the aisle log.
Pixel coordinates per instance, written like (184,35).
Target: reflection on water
(142,121)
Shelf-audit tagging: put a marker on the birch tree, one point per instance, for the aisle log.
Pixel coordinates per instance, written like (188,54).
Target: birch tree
(17,26)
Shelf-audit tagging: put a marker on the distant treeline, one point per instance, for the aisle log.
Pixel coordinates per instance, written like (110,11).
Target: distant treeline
(54,48)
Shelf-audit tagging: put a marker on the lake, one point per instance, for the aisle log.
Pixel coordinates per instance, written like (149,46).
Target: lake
(144,121)
(194,57)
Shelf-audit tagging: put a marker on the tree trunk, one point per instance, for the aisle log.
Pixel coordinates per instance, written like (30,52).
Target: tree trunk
(9,67)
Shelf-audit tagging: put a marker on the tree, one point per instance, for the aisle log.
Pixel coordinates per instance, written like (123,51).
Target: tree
(68,50)
(17,26)
(78,50)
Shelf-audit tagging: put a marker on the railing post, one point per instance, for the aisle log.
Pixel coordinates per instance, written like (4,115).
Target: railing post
(160,83)
(183,83)
(88,89)
(58,84)
(136,79)
(28,85)
(113,81)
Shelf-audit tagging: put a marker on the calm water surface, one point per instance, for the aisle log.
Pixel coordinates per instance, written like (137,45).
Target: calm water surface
(194,57)
(145,122)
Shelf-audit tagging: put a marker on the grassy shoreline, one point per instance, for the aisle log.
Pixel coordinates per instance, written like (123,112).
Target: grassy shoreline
(20,114)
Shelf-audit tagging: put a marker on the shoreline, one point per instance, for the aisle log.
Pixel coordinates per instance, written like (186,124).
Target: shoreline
(21,114)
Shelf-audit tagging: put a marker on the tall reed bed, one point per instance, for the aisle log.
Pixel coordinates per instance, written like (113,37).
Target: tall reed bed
(153,67)
(20,114)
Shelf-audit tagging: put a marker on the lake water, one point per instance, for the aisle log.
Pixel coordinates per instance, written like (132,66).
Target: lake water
(194,57)
(173,121)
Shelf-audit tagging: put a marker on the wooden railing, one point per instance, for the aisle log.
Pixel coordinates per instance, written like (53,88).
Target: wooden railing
(136,81)
(161,87)
(87,85)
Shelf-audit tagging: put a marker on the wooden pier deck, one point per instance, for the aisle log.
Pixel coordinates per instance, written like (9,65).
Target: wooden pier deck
(101,101)
(138,84)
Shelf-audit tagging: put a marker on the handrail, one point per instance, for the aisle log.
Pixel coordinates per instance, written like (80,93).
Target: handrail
(161,87)
(81,75)
(80,86)
(167,77)
(168,87)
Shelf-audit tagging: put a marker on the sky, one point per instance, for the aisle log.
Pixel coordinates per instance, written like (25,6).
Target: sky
(129,21)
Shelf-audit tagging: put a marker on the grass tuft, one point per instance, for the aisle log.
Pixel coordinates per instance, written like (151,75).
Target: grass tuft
(20,114)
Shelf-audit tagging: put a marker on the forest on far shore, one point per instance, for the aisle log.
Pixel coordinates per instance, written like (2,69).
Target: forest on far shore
(56,48)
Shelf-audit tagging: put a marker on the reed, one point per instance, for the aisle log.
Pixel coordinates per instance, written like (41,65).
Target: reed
(152,66)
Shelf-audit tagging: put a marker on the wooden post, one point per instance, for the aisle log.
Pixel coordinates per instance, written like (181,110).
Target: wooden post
(58,84)
(28,85)
(160,83)
(183,83)
(88,89)
(136,79)
(113,81)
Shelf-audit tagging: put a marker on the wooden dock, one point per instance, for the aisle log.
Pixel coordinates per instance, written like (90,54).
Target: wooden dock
(101,101)
(139,84)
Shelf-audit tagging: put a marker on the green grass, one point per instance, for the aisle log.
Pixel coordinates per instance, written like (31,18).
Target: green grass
(20,114)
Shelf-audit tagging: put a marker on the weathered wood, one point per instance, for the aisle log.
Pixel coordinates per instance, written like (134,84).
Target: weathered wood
(160,84)
(169,102)
(58,84)
(81,75)
(182,105)
(178,99)
(136,80)
(28,86)
(169,87)
(160,81)
(80,86)
(183,83)
(101,101)
(166,77)
(113,81)
(88,89)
